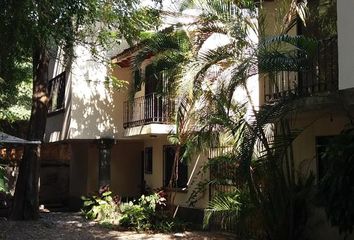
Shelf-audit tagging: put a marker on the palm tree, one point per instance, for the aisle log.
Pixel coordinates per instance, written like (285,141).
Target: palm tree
(265,161)
(207,80)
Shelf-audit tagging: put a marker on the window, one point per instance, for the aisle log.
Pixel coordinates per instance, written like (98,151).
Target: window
(169,156)
(137,80)
(321,145)
(148,160)
(56,89)
(155,82)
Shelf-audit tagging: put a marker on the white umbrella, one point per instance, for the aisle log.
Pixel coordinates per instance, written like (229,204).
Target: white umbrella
(8,139)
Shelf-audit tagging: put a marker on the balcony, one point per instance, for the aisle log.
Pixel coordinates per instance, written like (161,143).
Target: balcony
(322,78)
(151,108)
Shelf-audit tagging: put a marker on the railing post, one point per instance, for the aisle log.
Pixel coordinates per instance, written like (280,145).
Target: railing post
(321,76)
(153,102)
(141,109)
(149,108)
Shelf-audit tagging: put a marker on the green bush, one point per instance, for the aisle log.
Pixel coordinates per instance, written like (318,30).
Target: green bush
(146,213)
(3,185)
(143,214)
(133,215)
(101,208)
(336,187)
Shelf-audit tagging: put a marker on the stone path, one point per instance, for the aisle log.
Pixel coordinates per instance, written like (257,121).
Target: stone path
(60,226)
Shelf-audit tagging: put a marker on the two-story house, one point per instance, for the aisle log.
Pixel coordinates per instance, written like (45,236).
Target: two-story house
(97,134)
(90,122)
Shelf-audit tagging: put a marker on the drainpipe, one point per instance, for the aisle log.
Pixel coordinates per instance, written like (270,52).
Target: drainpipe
(104,165)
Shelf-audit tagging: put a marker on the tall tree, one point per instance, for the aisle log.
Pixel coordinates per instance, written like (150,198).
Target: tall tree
(30,30)
(263,161)
(211,76)
(14,64)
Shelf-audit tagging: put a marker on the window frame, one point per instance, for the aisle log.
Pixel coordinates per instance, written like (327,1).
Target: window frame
(60,103)
(137,80)
(319,159)
(148,160)
(181,188)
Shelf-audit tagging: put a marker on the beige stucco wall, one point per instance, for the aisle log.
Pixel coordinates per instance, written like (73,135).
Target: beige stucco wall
(316,123)
(97,108)
(121,96)
(125,167)
(92,169)
(54,127)
(273,13)
(155,180)
(195,176)
(78,169)
(269,13)
(93,107)
(55,65)
(57,126)
(127,94)
(345,27)
(271,25)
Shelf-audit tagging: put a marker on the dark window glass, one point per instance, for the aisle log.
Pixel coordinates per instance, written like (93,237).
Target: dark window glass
(321,145)
(151,80)
(169,155)
(56,89)
(137,80)
(148,160)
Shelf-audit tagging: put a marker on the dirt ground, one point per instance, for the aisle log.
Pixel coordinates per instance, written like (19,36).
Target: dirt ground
(57,226)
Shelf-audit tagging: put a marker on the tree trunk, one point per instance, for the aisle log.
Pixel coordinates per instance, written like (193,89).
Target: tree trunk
(27,189)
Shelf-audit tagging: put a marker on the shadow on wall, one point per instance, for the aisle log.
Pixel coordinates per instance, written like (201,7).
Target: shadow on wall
(94,113)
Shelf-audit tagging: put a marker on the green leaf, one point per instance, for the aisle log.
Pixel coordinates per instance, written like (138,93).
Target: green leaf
(106,193)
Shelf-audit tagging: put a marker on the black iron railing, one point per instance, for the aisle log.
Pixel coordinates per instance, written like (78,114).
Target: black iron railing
(151,108)
(223,172)
(224,178)
(321,77)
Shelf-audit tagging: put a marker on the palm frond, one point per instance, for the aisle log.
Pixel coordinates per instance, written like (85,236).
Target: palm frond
(299,42)
(226,206)
(226,202)
(286,53)
(161,43)
(297,9)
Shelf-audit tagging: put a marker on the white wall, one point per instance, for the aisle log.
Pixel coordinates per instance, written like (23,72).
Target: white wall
(93,108)
(57,126)
(345,26)
(195,175)
(91,105)
(323,122)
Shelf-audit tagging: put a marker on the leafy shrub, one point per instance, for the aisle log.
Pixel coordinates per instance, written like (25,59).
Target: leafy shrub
(102,207)
(336,187)
(133,215)
(226,208)
(143,214)
(3,185)
(146,213)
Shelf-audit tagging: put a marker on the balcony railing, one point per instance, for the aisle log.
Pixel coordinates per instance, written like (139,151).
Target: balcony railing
(321,78)
(151,108)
